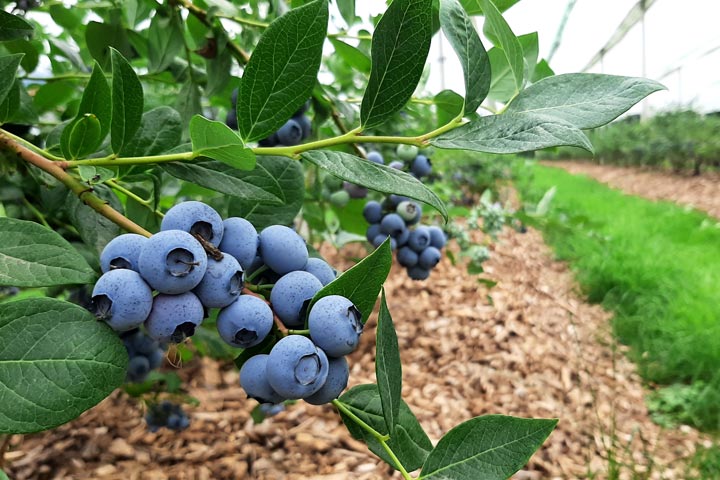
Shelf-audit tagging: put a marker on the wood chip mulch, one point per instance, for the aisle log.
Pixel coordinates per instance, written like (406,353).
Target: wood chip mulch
(701,192)
(528,347)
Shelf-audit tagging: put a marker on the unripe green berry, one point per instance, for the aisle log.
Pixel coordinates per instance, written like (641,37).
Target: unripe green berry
(407,210)
(407,152)
(340,198)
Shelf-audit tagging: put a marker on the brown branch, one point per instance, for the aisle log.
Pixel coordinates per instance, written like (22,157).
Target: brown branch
(84,192)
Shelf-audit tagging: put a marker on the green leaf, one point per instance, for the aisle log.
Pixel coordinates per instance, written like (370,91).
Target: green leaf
(463,37)
(8,68)
(3,476)
(30,48)
(488,447)
(165,42)
(362,283)
(217,141)
(97,100)
(95,174)
(513,133)
(542,70)
(474,7)
(449,105)
(127,102)
(160,130)
(188,103)
(352,55)
(282,71)
(388,368)
(101,38)
(410,443)
(531,49)
(11,105)
(400,46)
(53,95)
(34,256)
(502,87)
(85,136)
(12,27)
(220,177)
(56,361)
(347,10)
(94,229)
(508,42)
(587,100)
(279,176)
(376,177)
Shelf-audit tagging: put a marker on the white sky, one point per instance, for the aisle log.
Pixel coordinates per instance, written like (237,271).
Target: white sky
(677,32)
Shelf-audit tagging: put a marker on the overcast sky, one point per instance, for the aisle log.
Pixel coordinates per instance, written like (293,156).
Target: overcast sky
(677,33)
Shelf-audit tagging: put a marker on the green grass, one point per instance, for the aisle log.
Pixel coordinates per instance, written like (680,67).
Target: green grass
(656,266)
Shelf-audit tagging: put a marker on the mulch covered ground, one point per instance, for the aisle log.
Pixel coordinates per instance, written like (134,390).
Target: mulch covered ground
(534,350)
(701,192)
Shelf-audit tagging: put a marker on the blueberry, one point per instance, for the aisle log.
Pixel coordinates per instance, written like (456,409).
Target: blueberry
(305,125)
(303,108)
(402,239)
(271,409)
(429,257)
(241,240)
(122,252)
(290,294)
(245,322)
(156,358)
(397,165)
(372,212)
(282,249)
(407,152)
(122,299)
(411,212)
(380,238)
(172,261)
(174,317)
(392,224)
(321,270)
(270,141)
(421,166)
(376,157)
(419,239)
(197,218)
(437,237)
(355,191)
(418,273)
(332,182)
(392,201)
(339,198)
(296,368)
(138,369)
(291,133)
(335,325)
(337,380)
(407,257)
(231,119)
(254,380)
(222,283)
(143,344)
(372,232)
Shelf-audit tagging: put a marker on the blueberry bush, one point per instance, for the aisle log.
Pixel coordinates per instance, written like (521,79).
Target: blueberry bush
(118,177)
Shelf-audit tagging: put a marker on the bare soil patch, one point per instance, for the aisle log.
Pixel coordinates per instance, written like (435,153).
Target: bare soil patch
(528,347)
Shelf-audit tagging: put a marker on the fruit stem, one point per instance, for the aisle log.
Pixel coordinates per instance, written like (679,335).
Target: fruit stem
(299,332)
(256,273)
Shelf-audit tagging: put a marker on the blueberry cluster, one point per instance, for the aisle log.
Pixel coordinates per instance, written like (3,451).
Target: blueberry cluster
(419,164)
(166,414)
(145,354)
(419,248)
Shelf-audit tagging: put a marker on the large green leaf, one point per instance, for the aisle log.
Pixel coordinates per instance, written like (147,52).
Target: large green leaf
(388,368)
(97,100)
(352,55)
(85,136)
(463,37)
(56,361)
(165,42)
(8,67)
(513,133)
(448,105)
(376,177)
(488,447)
(12,26)
(95,230)
(127,102)
(3,476)
(216,140)
(102,38)
(160,130)
(347,10)
(34,256)
(410,443)
(282,71)
(502,87)
(279,176)
(11,105)
(474,7)
(586,100)
(362,283)
(508,42)
(400,46)
(221,178)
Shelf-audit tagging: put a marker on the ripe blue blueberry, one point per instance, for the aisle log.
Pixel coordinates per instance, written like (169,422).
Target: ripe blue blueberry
(372,211)
(290,295)
(240,239)
(407,152)
(381,237)
(355,191)
(337,380)
(245,322)
(335,325)
(122,299)
(291,133)
(222,283)
(305,125)
(421,166)
(419,239)
(407,257)
(437,237)
(418,273)
(254,380)
(282,249)
(372,232)
(174,317)
(122,252)
(392,224)
(197,218)
(271,409)
(397,165)
(402,239)
(138,369)
(296,368)
(172,261)
(322,271)
(156,358)
(429,257)
(376,157)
